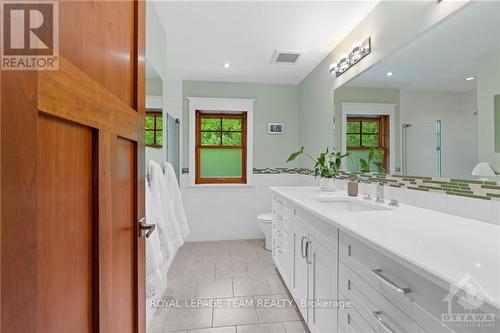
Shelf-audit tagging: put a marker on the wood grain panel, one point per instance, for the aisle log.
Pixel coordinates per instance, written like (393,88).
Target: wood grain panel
(64,226)
(117,234)
(98,37)
(71,94)
(19,193)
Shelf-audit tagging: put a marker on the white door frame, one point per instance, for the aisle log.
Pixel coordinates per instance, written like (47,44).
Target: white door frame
(371,109)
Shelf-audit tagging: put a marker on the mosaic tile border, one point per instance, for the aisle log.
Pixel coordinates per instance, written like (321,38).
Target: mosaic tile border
(477,189)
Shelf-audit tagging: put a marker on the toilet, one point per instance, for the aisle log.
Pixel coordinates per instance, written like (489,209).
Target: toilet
(265,222)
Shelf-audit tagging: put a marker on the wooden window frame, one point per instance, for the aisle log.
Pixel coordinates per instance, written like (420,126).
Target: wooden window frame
(383,130)
(243,147)
(155,113)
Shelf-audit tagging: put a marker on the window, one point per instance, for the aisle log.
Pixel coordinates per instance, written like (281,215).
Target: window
(365,133)
(154,129)
(221,147)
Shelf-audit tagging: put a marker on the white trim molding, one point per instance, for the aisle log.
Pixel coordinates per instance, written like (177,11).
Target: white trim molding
(226,105)
(371,109)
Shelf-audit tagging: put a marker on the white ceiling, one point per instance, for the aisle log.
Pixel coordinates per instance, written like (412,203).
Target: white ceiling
(442,58)
(202,36)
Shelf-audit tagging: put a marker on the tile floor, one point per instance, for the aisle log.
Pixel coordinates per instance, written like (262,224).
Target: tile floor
(237,285)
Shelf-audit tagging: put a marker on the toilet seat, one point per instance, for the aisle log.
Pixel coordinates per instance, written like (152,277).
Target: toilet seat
(265,218)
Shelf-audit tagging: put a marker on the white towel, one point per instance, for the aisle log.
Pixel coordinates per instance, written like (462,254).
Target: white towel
(175,194)
(169,232)
(153,253)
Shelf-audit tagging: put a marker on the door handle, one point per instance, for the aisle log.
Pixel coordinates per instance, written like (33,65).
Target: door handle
(149,227)
(302,246)
(308,252)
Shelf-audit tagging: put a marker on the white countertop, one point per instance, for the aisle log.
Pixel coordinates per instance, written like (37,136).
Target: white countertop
(440,246)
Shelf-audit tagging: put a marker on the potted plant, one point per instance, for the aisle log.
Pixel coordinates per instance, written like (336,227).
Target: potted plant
(327,166)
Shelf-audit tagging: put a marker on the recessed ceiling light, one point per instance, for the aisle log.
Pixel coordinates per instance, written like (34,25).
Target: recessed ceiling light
(388,74)
(470,78)
(227,65)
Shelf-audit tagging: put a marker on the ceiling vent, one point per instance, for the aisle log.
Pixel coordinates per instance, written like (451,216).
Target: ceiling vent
(285,57)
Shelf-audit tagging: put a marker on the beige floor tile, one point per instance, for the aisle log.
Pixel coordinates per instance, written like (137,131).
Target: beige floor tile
(276,285)
(232,245)
(158,321)
(235,311)
(276,308)
(180,289)
(252,244)
(182,318)
(250,286)
(175,274)
(201,271)
(224,270)
(264,255)
(244,255)
(262,328)
(216,257)
(228,329)
(214,288)
(295,327)
(261,268)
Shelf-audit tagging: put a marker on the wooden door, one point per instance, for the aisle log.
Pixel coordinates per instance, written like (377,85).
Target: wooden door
(72,180)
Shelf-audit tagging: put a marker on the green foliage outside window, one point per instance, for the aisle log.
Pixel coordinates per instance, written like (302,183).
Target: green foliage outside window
(153,135)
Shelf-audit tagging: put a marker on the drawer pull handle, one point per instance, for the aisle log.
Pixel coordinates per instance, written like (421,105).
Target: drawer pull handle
(378,318)
(308,252)
(302,246)
(387,281)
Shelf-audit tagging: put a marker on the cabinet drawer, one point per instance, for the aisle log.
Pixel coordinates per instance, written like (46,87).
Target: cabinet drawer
(350,321)
(372,306)
(420,299)
(424,301)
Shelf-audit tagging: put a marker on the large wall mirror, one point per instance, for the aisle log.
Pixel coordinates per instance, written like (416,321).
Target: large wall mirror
(432,108)
(162,138)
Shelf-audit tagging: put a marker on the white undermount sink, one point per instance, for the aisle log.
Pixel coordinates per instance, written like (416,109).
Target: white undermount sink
(350,204)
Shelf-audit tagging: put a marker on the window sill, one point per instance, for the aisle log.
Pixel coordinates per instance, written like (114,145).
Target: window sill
(219,185)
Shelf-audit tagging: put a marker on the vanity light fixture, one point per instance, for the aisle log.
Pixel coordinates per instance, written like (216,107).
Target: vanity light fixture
(470,78)
(358,52)
(388,74)
(227,65)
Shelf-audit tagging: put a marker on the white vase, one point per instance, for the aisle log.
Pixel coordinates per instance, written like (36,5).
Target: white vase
(327,184)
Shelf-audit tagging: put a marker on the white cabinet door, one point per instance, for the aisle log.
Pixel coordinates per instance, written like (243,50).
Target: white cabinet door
(322,315)
(300,269)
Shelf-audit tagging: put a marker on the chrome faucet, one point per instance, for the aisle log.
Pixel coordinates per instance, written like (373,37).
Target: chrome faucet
(380,192)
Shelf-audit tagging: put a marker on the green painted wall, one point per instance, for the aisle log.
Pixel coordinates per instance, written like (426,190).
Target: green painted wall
(365,95)
(273,103)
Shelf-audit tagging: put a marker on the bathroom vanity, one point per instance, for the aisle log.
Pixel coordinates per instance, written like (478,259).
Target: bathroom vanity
(402,269)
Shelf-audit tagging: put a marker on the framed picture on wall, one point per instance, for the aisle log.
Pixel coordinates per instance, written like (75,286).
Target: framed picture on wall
(275,128)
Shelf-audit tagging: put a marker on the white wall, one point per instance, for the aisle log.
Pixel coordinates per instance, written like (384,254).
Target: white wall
(221,213)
